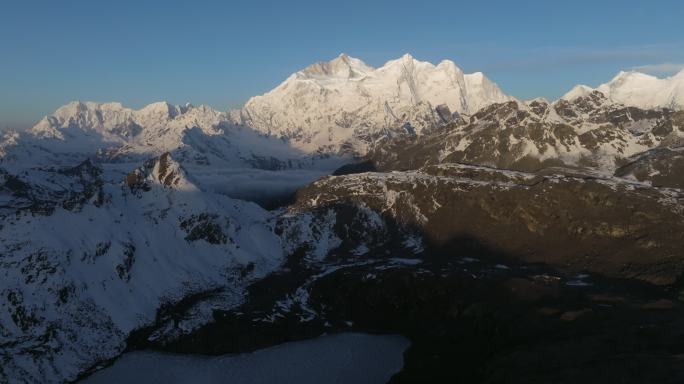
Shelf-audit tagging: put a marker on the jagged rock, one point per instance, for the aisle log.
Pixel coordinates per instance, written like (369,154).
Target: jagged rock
(162,170)
(204,227)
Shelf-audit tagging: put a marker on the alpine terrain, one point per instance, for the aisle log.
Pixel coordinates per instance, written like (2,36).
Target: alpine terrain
(509,240)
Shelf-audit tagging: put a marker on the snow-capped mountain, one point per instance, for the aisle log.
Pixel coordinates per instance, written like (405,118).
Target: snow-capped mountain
(638,90)
(83,261)
(312,123)
(115,227)
(222,156)
(113,133)
(344,105)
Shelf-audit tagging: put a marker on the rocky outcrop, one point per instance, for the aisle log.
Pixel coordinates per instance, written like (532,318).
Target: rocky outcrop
(42,190)
(662,167)
(206,227)
(162,170)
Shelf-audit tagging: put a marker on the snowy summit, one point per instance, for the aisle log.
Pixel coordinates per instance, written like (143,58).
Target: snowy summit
(343,102)
(638,89)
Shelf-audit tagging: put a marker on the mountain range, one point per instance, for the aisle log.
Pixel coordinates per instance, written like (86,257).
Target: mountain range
(335,110)
(452,206)
(345,105)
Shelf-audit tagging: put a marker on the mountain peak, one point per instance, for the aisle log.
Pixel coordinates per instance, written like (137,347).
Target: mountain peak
(343,66)
(476,77)
(637,89)
(577,91)
(163,171)
(342,60)
(344,105)
(404,60)
(624,76)
(162,108)
(77,107)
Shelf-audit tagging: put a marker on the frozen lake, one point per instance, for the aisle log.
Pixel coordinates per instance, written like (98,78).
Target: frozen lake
(343,358)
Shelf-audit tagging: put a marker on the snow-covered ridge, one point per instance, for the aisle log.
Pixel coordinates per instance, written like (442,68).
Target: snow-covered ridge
(199,135)
(160,124)
(638,90)
(221,155)
(85,261)
(111,132)
(341,105)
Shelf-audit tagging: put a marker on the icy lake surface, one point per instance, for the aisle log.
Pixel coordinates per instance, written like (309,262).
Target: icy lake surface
(343,358)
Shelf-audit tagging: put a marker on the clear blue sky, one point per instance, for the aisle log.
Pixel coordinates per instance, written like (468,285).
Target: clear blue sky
(222,52)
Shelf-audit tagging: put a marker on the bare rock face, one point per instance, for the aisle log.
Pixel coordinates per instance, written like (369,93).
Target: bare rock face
(661,168)
(162,170)
(206,227)
(571,221)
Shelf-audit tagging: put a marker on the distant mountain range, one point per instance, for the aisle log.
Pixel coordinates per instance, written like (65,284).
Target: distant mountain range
(339,108)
